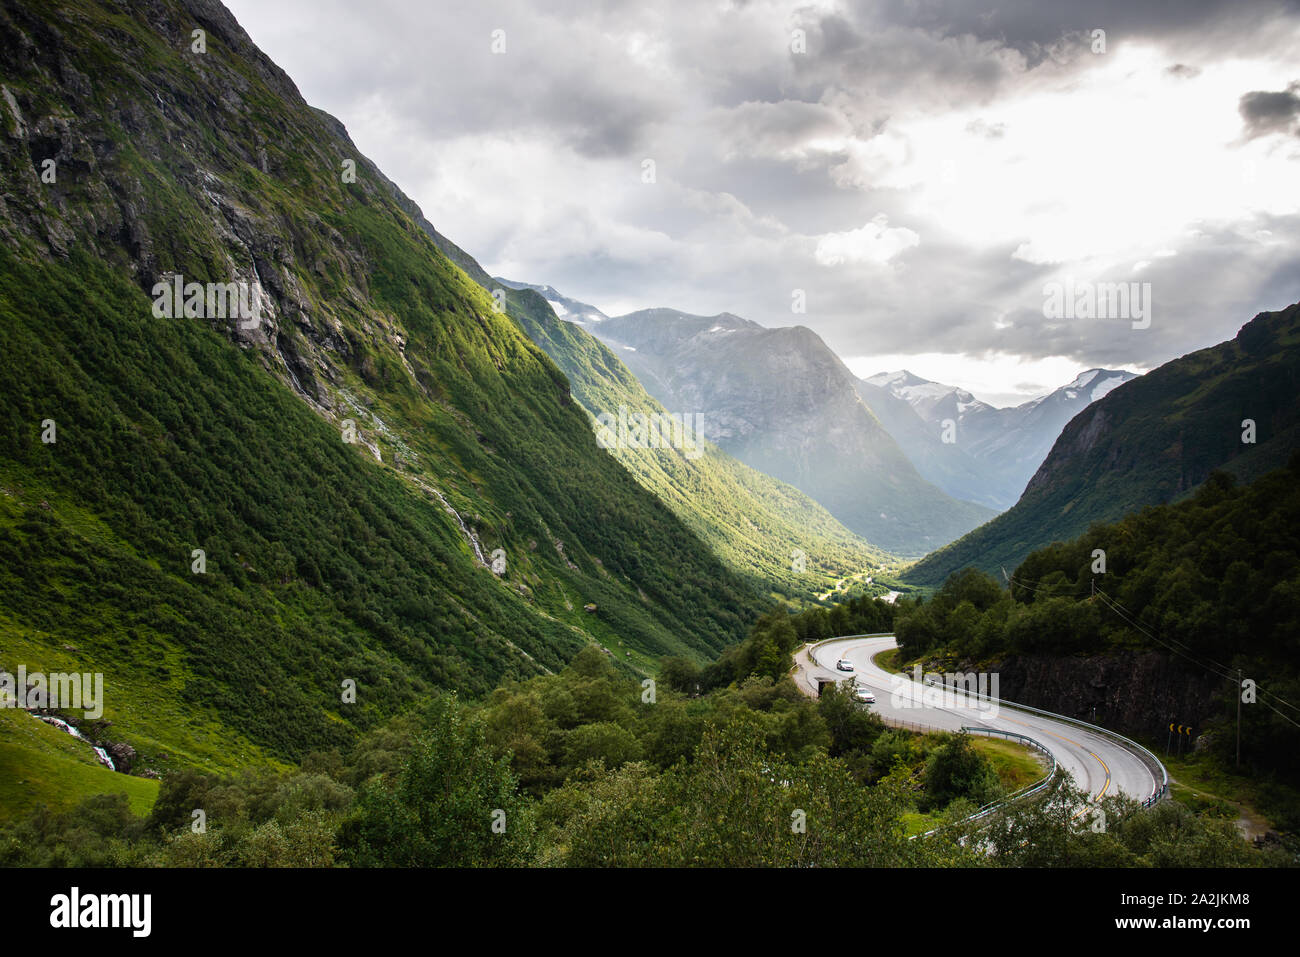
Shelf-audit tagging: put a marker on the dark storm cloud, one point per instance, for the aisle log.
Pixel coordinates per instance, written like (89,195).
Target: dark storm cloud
(1033,26)
(1265,112)
(885,61)
(763,152)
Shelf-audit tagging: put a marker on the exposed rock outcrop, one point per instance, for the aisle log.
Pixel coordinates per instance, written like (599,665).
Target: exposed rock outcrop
(1136,693)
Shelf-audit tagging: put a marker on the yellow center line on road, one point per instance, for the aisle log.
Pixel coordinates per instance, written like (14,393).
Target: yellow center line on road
(1077,744)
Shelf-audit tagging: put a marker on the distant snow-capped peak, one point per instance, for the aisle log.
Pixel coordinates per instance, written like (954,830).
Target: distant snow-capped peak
(570,310)
(922,392)
(1094,383)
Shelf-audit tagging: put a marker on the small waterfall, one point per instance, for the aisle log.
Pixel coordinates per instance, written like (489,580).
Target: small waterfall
(104,759)
(469,535)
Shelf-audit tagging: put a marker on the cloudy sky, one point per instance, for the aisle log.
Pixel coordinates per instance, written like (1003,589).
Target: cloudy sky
(920,169)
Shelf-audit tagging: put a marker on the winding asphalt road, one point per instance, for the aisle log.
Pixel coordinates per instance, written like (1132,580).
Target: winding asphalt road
(1100,764)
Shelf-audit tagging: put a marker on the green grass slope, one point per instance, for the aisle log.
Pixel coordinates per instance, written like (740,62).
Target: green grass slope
(42,765)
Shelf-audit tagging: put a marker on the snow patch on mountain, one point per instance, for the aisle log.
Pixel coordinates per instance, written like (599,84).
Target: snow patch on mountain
(1106,385)
(1083,378)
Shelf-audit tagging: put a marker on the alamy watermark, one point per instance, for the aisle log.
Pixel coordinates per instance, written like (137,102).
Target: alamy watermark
(653,430)
(33,691)
(968,690)
(126,911)
(1098,300)
(213,300)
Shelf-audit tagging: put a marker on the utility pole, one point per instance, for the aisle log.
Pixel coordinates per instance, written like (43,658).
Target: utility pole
(1238,717)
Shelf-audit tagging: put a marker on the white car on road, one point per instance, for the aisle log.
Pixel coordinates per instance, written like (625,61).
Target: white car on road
(844,664)
(864,694)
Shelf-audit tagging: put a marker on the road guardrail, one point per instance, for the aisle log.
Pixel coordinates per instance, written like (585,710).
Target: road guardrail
(1150,760)
(1027,791)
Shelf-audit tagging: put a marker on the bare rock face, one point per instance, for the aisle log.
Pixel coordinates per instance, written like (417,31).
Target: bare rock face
(1133,693)
(1082,436)
(123,755)
(69,181)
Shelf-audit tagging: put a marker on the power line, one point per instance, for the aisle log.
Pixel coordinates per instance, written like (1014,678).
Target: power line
(1175,641)
(1182,652)
(1279,713)
(1178,648)
(1236,680)
(1119,609)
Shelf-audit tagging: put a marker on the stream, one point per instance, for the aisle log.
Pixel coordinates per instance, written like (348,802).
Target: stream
(104,759)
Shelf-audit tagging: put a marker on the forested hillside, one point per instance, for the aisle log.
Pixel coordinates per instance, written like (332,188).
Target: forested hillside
(230,516)
(583,771)
(765,530)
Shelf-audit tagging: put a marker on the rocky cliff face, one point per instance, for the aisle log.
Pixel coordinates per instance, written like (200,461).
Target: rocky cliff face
(1136,693)
(153,173)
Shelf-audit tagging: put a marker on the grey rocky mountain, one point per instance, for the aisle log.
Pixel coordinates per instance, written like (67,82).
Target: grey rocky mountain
(781,401)
(973,451)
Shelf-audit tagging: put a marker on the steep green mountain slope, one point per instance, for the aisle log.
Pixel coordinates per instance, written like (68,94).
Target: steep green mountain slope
(782,402)
(1151,441)
(326,559)
(762,528)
